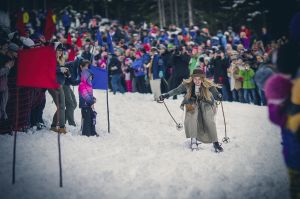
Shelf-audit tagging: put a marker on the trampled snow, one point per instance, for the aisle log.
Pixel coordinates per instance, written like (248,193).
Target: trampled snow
(144,156)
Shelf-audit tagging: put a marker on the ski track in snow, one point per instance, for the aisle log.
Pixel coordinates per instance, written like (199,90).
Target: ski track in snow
(146,157)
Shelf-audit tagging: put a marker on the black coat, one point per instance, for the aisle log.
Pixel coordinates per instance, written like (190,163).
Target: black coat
(180,64)
(167,58)
(219,67)
(114,65)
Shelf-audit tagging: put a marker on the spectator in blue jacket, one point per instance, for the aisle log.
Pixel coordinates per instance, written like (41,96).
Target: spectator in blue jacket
(139,72)
(115,71)
(155,72)
(66,20)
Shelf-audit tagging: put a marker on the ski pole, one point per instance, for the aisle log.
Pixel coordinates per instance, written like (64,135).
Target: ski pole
(59,161)
(179,126)
(225,139)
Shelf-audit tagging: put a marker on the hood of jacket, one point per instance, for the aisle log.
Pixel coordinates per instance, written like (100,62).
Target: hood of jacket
(85,77)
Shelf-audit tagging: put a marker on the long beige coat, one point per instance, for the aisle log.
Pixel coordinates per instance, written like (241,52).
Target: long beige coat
(235,82)
(200,122)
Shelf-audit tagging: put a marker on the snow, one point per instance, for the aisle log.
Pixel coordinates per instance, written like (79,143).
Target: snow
(144,156)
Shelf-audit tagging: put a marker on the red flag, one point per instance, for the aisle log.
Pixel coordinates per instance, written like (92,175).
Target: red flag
(49,26)
(69,39)
(71,54)
(79,42)
(37,68)
(20,24)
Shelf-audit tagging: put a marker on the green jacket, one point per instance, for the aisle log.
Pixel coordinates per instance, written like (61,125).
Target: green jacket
(248,78)
(193,64)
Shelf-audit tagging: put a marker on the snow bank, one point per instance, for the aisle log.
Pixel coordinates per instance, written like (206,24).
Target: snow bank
(146,157)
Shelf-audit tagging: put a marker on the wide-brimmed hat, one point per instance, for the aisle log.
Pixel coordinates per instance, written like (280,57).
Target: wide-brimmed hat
(59,46)
(198,73)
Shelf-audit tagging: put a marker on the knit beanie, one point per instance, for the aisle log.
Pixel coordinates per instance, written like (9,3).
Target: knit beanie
(278,88)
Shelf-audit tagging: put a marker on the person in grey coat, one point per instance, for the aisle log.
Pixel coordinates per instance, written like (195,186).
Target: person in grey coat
(199,102)
(6,63)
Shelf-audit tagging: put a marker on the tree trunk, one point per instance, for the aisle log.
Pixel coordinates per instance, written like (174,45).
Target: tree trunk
(176,13)
(45,5)
(106,8)
(182,15)
(119,7)
(190,10)
(8,6)
(172,11)
(92,7)
(160,13)
(163,12)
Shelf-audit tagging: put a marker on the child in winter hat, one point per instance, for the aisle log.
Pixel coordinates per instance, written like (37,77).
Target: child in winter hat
(87,101)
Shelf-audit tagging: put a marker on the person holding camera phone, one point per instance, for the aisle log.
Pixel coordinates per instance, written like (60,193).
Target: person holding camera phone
(247,75)
(194,61)
(199,102)
(58,95)
(6,64)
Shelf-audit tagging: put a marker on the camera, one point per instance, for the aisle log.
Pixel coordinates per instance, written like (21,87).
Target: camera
(97,57)
(201,59)
(67,73)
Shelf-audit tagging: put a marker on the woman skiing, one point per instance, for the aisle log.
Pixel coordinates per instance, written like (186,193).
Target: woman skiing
(200,105)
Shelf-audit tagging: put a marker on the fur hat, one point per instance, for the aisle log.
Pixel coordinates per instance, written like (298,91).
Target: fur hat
(278,87)
(58,46)
(262,75)
(197,72)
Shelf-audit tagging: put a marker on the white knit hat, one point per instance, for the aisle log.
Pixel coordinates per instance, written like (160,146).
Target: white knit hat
(27,41)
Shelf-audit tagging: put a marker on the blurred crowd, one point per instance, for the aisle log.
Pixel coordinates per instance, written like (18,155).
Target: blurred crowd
(145,58)
(139,57)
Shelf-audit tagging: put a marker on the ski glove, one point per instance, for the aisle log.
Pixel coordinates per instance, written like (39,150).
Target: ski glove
(160,74)
(164,96)
(219,97)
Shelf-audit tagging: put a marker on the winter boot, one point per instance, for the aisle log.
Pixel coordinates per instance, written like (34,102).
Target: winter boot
(194,145)
(54,128)
(62,130)
(218,147)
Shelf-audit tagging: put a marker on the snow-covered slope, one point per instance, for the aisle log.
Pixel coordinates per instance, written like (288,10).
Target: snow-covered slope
(146,157)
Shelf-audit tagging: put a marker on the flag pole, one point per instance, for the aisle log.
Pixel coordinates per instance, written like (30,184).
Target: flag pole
(111,50)
(15,140)
(107,105)
(59,145)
